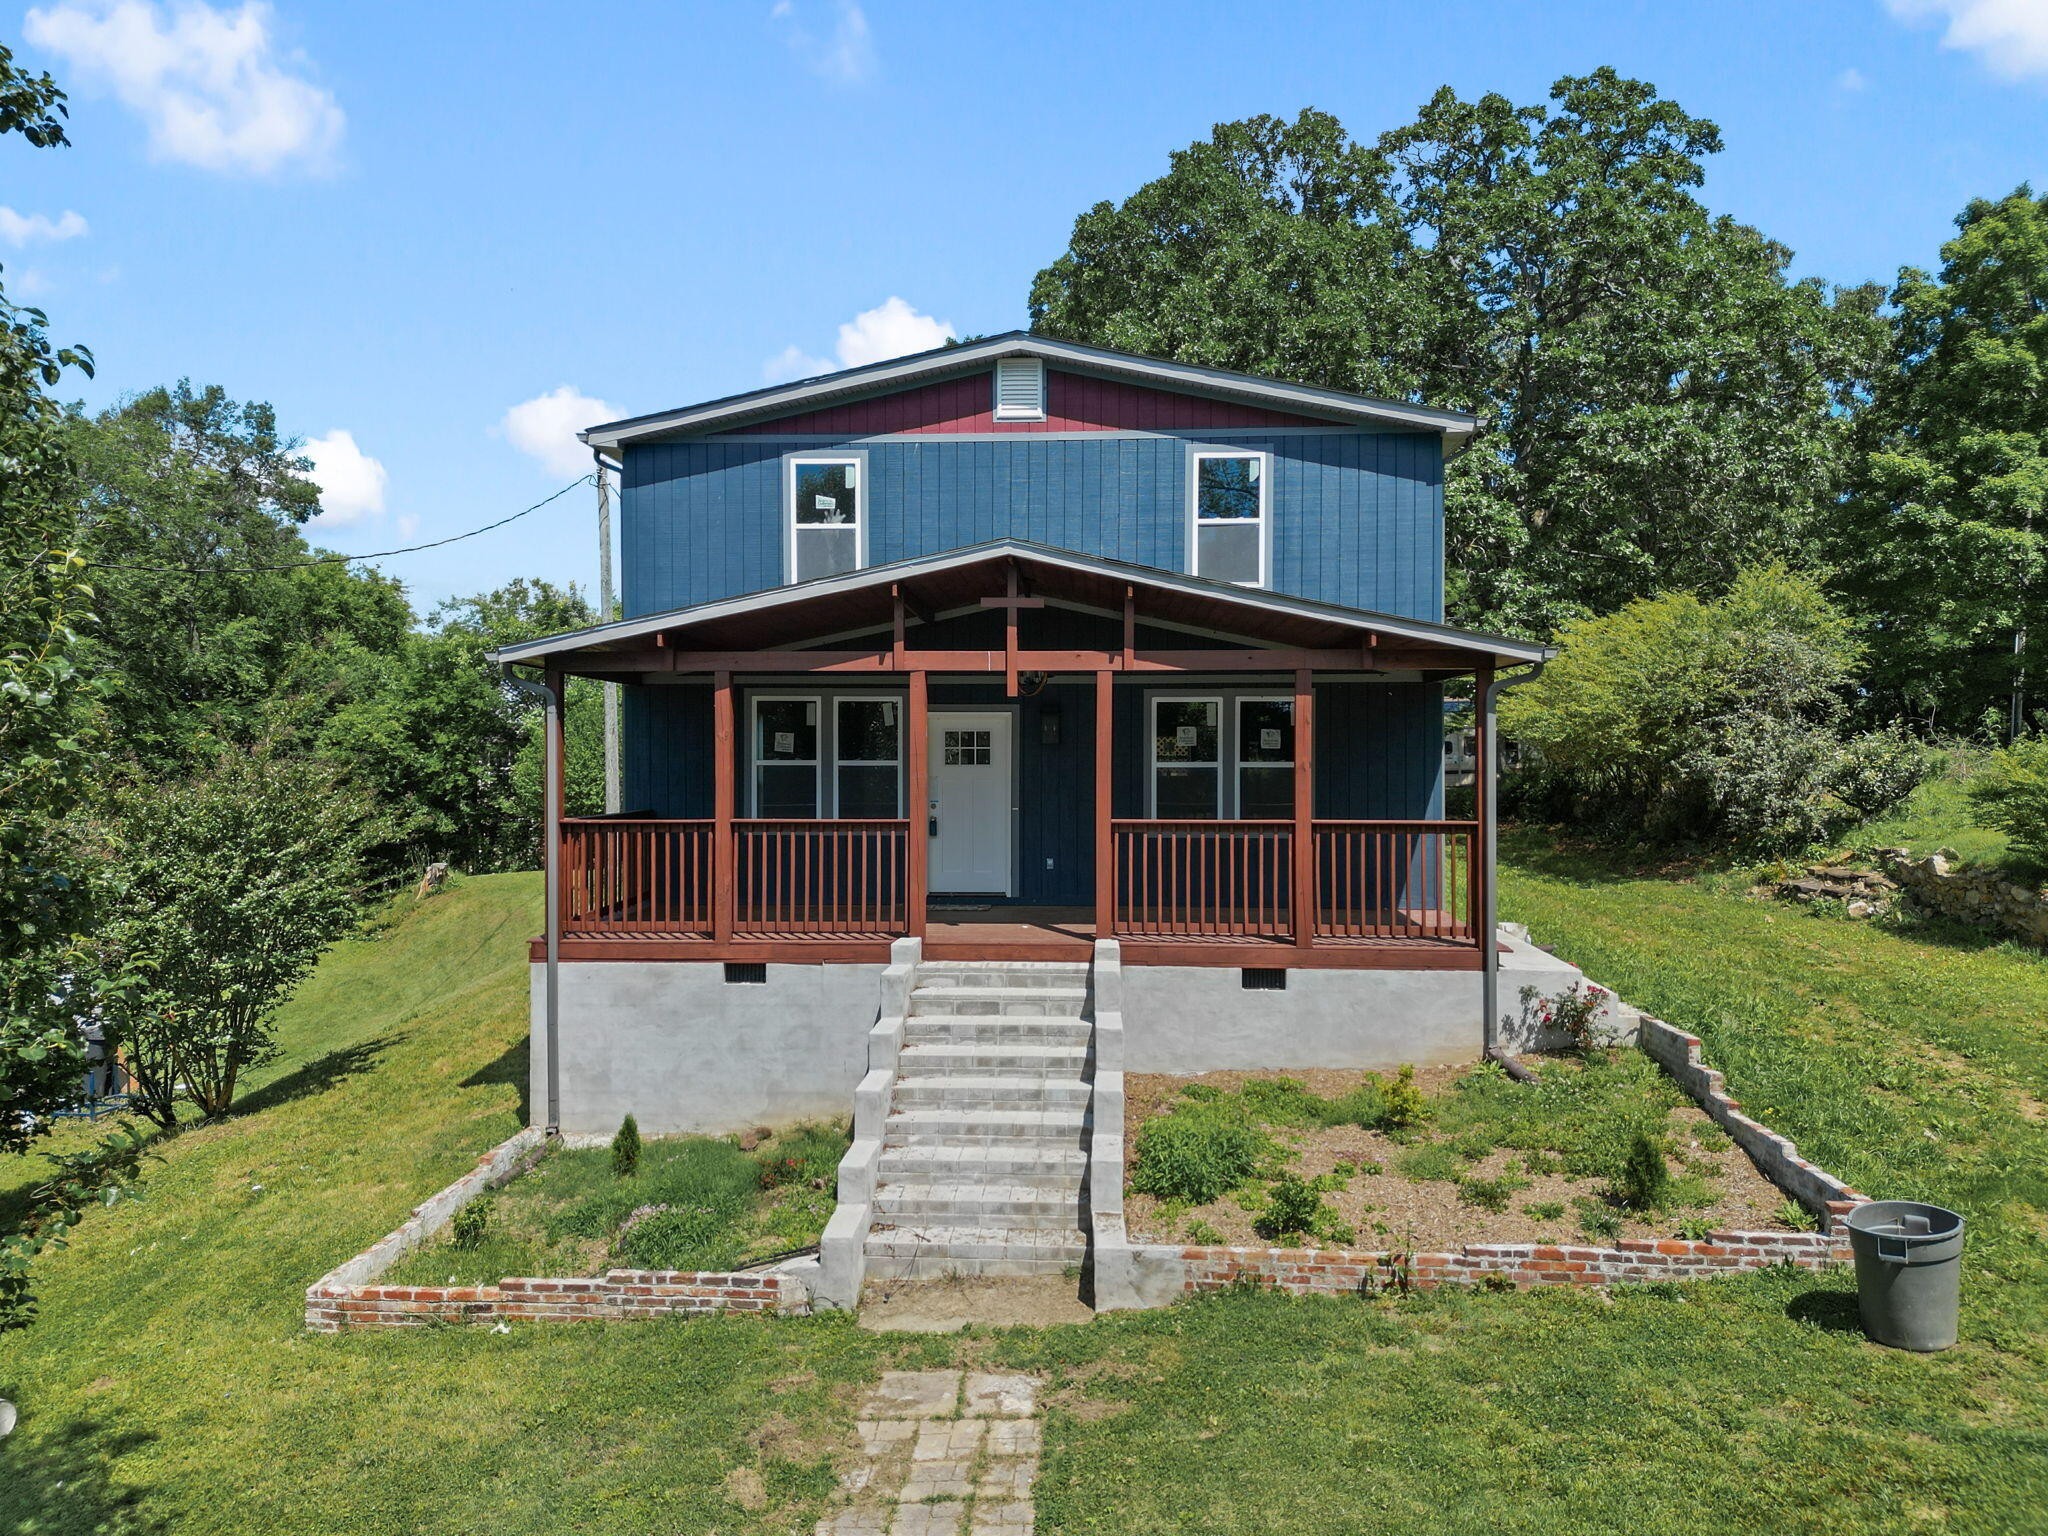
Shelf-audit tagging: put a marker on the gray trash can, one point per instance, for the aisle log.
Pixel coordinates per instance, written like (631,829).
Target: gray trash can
(1909,1264)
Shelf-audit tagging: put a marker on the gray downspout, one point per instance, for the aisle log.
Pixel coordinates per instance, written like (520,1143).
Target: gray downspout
(551,816)
(1489,991)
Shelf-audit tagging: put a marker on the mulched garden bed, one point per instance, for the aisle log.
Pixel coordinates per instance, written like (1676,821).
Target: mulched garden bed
(1487,1161)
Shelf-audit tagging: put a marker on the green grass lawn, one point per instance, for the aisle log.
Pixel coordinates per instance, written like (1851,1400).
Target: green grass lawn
(1939,815)
(170,1387)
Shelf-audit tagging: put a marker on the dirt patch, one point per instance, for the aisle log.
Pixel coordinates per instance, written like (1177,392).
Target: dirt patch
(744,1487)
(948,1305)
(1390,1210)
(779,1439)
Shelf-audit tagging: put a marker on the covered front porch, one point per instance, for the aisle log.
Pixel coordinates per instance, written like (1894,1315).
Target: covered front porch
(1010,752)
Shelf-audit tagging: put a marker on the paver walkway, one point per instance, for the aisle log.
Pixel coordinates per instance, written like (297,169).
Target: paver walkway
(947,1453)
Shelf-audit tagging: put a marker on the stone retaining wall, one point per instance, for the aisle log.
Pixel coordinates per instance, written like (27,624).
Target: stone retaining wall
(348,1295)
(1980,896)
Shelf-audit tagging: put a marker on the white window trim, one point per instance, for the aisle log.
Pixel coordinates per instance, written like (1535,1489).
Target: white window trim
(1152,764)
(1238,763)
(791,462)
(755,762)
(838,762)
(1196,522)
(997,410)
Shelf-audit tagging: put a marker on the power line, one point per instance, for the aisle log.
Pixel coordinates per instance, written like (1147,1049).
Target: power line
(300,565)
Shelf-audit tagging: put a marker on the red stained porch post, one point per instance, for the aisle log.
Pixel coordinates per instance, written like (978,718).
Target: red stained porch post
(1304,811)
(916,877)
(1482,812)
(722,874)
(1105,838)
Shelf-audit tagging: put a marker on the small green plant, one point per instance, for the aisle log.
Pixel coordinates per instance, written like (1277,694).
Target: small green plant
(468,1227)
(1696,1229)
(1202,1232)
(1431,1160)
(1599,1222)
(1645,1181)
(1197,1153)
(1331,1183)
(1371,1168)
(1544,1210)
(1403,1105)
(1796,1216)
(1334,1230)
(1576,1013)
(1294,1209)
(1343,1173)
(1490,1194)
(626,1149)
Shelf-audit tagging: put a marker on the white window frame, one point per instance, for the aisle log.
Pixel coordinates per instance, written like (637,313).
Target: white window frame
(755,761)
(1196,522)
(791,464)
(1152,764)
(1000,412)
(839,702)
(1238,763)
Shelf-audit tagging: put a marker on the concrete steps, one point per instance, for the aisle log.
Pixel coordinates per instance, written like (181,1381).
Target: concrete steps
(983,1163)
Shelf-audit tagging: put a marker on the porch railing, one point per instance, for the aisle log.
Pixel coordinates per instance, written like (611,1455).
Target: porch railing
(1203,879)
(820,877)
(1395,879)
(623,877)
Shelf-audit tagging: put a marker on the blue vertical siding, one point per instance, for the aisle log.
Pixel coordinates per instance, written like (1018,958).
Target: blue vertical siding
(1358,517)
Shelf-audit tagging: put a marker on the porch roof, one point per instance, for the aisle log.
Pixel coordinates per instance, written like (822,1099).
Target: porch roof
(859,602)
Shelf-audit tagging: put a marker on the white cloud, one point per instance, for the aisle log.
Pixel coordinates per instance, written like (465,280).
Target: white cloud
(846,53)
(545,428)
(2010,36)
(1851,79)
(19,229)
(892,328)
(351,482)
(210,84)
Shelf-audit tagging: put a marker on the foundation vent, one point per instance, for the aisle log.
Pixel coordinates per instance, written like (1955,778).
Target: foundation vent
(746,974)
(1262,979)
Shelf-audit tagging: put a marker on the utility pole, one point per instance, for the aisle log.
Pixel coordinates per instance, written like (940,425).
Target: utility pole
(604,616)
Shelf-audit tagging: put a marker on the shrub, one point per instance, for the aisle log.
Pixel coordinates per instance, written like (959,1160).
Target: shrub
(1433,1160)
(1696,1229)
(2010,792)
(626,1149)
(1645,1181)
(1544,1210)
(1202,1232)
(470,1223)
(1281,1101)
(1879,769)
(1197,1153)
(1598,1221)
(1294,1209)
(1404,1105)
(1490,1194)
(1575,1012)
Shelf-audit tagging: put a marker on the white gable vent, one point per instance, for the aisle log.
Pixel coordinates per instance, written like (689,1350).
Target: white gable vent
(1020,389)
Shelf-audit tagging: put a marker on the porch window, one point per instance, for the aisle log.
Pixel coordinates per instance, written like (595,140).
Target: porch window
(786,757)
(825,532)
(1230,517)
(1187,774)
(869,759)
(1265,759)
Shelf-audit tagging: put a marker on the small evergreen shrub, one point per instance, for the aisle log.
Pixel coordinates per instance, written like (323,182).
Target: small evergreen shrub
(1645,1181)
(1405,1106)
(1197,1153)
(626,1149)
(470,1223)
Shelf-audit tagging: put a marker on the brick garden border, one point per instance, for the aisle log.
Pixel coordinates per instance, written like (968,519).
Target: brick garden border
(348,1296)
(1133,1275)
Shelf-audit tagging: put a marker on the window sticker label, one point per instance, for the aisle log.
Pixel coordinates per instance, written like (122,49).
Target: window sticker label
(1269,739)
(785,741)
(1184,736)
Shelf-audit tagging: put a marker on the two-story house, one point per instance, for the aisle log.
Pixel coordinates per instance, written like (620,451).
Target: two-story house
(1005,661)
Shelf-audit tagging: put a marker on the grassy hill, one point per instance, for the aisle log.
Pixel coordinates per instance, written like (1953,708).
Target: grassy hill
(170,1387)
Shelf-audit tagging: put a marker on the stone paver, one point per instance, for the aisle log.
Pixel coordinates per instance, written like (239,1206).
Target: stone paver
(943,1454)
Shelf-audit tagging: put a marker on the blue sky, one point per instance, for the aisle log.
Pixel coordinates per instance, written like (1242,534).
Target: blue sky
(439,236)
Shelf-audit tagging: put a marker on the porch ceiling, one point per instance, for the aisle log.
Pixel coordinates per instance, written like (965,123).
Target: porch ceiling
(785,618)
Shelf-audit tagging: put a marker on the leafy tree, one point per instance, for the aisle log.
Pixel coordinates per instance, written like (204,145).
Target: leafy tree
(2010,792)
(218,895)
(182,491)
(1662,405)
(1683,717)
(1944,545)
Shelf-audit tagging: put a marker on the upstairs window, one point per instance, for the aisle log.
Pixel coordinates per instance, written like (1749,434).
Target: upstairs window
(1020,389)
(1230,517)
(826,534)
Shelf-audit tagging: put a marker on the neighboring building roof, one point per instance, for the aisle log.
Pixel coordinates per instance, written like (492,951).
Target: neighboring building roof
(858,601)
(907,372)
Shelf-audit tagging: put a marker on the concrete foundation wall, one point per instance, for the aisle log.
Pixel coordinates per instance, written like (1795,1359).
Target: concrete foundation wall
(676,1046)
(1201,1019)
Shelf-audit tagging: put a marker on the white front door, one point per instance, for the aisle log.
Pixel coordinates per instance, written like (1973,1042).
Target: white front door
(969,817)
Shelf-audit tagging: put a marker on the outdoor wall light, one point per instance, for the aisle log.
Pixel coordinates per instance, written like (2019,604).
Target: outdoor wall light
(1049,724)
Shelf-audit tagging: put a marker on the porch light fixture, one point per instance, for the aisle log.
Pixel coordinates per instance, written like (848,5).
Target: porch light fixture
(1049,724)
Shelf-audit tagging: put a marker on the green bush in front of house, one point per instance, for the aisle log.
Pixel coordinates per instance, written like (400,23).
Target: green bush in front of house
(1199,1152)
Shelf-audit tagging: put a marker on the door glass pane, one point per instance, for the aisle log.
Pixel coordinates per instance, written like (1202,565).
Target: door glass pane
(1265,794)
(867,791)
(1265,731)
(1228,552)
(1186,793)
(826,552)
(1184,731)
(786,789)
(786,731)
(867,730)
(1227,488)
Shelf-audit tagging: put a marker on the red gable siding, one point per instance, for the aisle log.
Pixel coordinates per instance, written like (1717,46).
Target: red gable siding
(1074,403)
